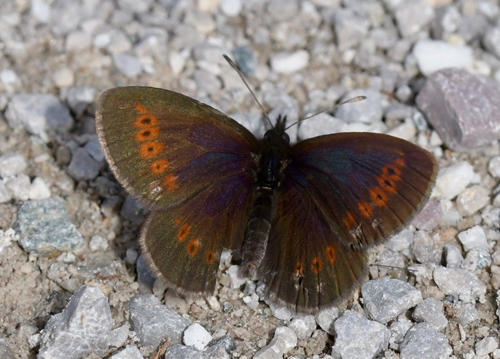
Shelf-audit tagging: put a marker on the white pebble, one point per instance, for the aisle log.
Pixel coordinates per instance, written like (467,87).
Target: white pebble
(98,243)
(432,56)
(231,7)
(454,179)
(286,62)
(39,189)
(197,336)
(474,237)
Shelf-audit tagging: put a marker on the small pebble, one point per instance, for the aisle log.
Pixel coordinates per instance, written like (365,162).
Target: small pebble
(197,336)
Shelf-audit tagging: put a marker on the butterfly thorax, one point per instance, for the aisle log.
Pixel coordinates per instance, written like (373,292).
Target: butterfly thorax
(272,162)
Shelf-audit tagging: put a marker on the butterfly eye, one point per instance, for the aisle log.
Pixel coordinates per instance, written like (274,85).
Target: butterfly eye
(285,137)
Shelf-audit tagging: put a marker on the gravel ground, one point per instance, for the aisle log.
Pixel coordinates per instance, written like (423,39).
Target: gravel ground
(72,281)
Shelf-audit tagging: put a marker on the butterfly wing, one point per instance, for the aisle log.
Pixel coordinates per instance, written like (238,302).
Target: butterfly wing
(190,164)
(164,147)
(341,194)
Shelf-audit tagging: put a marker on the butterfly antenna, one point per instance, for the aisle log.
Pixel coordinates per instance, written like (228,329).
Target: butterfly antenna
(233,65)
(354,99)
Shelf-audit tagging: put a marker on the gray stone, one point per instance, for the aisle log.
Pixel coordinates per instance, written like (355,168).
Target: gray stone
(326,317)
(154,322)
(461,282)
(431,312)
(350,28)
(303,325)
(423,341)
(472,27)
(409,24)
(358,337)
(446,21)
(118,336)
(135,6)
(80,97)
(12,164)
(5,352)
(129,65)
(93,147)
(245,59)
(132,210)
(5,195)
(81,329)
(491,40)
(39,114)
(398,332)
(145,278)
(386,298)
(82,166)
(283,341)
(369,110)
(463,108)
(453,256)
(44,227)
(429,217)
(486,346)
(19,186)
(282,10)
(425,249)
(183,352)
(130,352)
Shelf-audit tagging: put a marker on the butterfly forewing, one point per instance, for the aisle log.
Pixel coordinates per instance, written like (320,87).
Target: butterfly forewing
(165,147)
(367,186)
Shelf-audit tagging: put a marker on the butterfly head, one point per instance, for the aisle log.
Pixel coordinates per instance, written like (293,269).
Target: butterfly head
(277,135)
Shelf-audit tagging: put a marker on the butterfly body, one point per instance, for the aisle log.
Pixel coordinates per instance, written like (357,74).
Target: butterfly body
(302,216)
(271,163)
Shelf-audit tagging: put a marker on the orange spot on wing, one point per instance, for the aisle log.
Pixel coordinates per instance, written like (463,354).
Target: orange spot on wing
(379,197)
(141,109)
(170,182)
(177,221)
(144,121)
(299,269)
(159,166)
(331,255)
(192,247)
(150,149)
(400,162)
(147,134)
(392,172)
(349,220)
(183,233)
(316,265)
(387,184)
(365,209)
(210,257)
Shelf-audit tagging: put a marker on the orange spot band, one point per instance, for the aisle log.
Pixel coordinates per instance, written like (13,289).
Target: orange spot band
(150,149)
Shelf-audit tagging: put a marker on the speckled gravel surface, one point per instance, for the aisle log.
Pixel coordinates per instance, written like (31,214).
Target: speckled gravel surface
(72,281)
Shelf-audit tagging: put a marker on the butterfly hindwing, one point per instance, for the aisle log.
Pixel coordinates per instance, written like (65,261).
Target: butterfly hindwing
(184,243)
(165,147)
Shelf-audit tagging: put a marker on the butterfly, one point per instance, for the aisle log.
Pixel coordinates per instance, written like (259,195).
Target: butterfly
(301,216)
